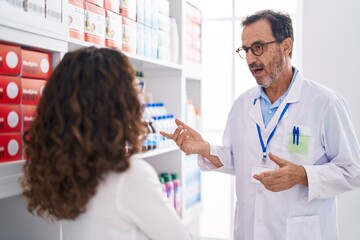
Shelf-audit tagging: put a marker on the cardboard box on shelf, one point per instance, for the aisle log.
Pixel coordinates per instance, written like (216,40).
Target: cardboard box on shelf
(10,147)
(28,113)
(94,24)
(112,5)
(36,64)
(32,91)
(75,18)
(53,10)
(113,36)
(129,35)
(10,89)
(10,118)
(10,59)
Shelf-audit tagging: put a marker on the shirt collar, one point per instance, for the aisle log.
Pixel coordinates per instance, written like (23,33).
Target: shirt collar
(261,93)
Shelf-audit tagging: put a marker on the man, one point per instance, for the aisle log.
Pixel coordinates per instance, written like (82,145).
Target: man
(289,142)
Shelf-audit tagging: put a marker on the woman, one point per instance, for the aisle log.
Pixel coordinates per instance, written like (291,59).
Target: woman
(79,168)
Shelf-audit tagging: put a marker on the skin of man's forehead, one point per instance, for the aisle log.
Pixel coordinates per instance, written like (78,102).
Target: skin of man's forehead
(258,31)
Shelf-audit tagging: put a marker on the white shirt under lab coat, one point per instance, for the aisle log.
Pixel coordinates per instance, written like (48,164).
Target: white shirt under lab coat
(328,149)
(128,206)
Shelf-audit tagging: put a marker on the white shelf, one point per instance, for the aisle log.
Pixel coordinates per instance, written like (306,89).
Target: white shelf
(158,151)
(10,173)
(193,71)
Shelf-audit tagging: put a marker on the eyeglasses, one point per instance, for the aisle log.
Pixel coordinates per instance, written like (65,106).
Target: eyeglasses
(256,48)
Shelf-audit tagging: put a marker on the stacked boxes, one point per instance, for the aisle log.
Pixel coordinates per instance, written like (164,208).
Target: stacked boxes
(193,33)
(23,75)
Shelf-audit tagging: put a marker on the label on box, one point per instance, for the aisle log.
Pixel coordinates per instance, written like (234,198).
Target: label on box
(10,59)
(36,64)
(10,118)
(76,18)
(10,147)
(29,113)
(32,90)
(10,89)
(94,24)
(113,37)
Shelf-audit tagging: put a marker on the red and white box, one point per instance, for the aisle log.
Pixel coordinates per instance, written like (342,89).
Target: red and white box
(129,40)
(94,24)
(128,9)
(76,18)
(10,59)
(99,3)
(10,89)
(10,147)
(113,37)
(35,64)
(112,5)
(32,90)
(10,118)
(28,113)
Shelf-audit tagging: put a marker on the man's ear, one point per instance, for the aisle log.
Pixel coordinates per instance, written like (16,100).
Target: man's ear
(287,46)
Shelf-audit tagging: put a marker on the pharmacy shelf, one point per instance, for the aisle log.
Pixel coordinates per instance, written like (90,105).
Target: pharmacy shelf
(10,173)
(193,71)
(158,151)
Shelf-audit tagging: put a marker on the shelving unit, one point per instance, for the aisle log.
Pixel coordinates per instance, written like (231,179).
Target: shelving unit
(168,82)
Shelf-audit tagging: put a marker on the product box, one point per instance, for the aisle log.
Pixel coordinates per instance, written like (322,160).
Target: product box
(28,113)
(154,14)
(148,13)
(113,23)
(10,89)
(147,45)
(35,64)
(99,3)
(140,49)
(53,10)
(36,7)
(112,5)
(164,7)
(10,118)
(94,24)
(163,38)
(10,59)
(12,5)
(163,22)
(32,90)
(140,11)
(76,18)
(128,9)
(154,43)
(129,35)
(10,147)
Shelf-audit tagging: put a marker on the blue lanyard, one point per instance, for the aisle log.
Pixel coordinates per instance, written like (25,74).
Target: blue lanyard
(271,135)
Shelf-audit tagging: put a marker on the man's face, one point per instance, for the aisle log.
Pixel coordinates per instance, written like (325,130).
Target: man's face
(267,67)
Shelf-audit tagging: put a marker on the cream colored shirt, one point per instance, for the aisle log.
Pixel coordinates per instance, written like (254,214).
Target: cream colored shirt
(128,206)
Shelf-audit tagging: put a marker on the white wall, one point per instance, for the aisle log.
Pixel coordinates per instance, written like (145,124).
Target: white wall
(330,51)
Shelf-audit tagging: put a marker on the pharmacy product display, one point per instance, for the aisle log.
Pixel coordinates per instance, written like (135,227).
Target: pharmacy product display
(48,29)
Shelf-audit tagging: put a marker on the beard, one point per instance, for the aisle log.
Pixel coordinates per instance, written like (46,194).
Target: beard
(274,68)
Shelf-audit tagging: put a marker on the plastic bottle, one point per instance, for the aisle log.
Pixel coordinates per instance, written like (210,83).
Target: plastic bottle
(177,192)
(169,186)
(162,181)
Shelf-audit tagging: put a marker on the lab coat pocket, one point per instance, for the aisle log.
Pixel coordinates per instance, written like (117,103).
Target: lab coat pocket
(300,143)
(303,228)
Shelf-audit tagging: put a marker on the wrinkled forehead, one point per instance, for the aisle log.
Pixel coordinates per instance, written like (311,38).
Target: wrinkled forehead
(257,31)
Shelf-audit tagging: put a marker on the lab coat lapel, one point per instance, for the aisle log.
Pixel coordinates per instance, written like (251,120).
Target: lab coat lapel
(292,97)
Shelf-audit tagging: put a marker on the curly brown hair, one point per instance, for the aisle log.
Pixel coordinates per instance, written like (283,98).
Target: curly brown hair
(88,114)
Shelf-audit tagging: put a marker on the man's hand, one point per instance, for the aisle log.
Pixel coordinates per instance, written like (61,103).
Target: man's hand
(188,140)
(287,176)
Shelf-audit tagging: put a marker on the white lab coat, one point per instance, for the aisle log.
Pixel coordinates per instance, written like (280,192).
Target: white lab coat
(328,149)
